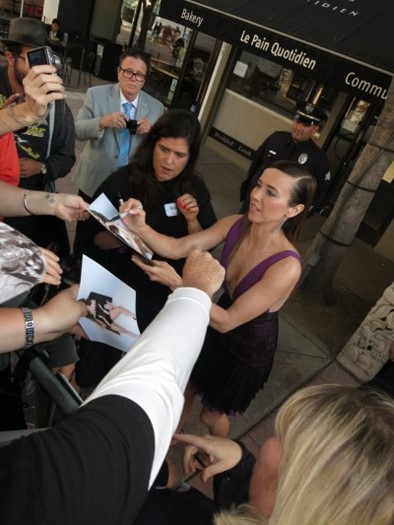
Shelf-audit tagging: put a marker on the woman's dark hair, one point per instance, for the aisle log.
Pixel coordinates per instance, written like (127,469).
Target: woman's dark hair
(303,192)
(174,123)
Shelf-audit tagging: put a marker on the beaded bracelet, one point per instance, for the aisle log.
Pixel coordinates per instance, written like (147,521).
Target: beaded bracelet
(25,202)
(29,327)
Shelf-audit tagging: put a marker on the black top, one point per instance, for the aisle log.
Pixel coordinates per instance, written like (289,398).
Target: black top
(96,359)
(170,507)
(151,296)
(280,146)
(93,468)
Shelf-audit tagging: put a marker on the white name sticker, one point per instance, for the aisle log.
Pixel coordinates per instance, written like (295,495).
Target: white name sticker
(171,209)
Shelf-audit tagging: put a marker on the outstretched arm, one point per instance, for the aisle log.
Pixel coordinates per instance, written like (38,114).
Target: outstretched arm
(161,272)
(127,422)
(171,247)
(19,202)
(55,318)
(155,372)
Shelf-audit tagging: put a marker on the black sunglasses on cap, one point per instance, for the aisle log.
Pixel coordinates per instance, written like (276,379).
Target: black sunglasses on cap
(305,120)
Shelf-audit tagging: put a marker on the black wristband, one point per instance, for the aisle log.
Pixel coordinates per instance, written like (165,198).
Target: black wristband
(29,327)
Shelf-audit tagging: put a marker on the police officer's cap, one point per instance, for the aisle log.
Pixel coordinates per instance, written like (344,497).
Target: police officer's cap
(308,112)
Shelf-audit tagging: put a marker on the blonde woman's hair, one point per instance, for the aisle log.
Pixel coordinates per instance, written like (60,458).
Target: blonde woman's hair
(242,515)
(337,464)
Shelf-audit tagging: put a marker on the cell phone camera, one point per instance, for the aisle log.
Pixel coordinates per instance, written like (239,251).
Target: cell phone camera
(43,55)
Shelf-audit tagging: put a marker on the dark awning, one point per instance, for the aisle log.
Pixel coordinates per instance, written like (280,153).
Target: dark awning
(349,42)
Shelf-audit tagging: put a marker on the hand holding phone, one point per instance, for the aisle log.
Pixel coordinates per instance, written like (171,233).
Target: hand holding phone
(143,259)
(43,56)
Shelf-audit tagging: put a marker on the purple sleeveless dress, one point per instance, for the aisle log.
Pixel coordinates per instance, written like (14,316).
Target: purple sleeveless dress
(234,366)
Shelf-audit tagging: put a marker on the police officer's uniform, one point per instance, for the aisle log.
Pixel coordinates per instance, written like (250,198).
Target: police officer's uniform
(281,146)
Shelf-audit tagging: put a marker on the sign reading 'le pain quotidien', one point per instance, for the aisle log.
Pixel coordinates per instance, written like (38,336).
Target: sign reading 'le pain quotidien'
(324,40)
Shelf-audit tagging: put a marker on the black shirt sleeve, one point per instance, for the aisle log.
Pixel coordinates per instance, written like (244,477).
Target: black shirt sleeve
(232,486)
(91,469)
(62,155)
(170,507)
(258,158)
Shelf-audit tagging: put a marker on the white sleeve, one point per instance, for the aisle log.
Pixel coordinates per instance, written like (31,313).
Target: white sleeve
(155,372)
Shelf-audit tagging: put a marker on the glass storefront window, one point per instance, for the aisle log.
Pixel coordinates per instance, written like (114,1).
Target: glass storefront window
(167,44)
(271,84)
(355,115)
(129,8)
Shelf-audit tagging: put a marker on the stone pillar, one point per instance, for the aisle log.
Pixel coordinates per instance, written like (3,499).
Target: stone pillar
(368,349)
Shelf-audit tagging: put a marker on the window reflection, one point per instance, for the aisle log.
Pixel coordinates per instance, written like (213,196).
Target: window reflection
(164,40)
(269,83)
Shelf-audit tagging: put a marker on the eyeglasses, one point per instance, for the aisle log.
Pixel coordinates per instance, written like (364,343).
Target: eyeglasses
(129,73)
(19,56)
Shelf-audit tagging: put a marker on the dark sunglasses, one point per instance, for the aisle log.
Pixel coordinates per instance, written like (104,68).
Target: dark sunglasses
(305,120)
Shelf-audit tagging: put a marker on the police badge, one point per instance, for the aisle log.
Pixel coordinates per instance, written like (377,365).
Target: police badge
(302,158)
(309,108)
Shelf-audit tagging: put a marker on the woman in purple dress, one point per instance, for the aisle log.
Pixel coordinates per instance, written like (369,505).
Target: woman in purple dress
(262,269)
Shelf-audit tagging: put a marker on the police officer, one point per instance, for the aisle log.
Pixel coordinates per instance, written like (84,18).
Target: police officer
(296,145)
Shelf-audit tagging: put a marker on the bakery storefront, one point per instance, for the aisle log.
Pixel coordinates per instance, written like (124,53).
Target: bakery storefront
(244,66)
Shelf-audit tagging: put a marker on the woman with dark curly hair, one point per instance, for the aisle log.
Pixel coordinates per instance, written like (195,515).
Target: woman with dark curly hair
(177,202)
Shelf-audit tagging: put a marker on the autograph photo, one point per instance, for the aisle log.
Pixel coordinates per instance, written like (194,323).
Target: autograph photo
(111,307)
(107,215)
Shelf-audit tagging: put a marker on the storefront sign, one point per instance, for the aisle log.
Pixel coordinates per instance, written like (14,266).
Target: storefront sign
(331,41)
(290,54)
